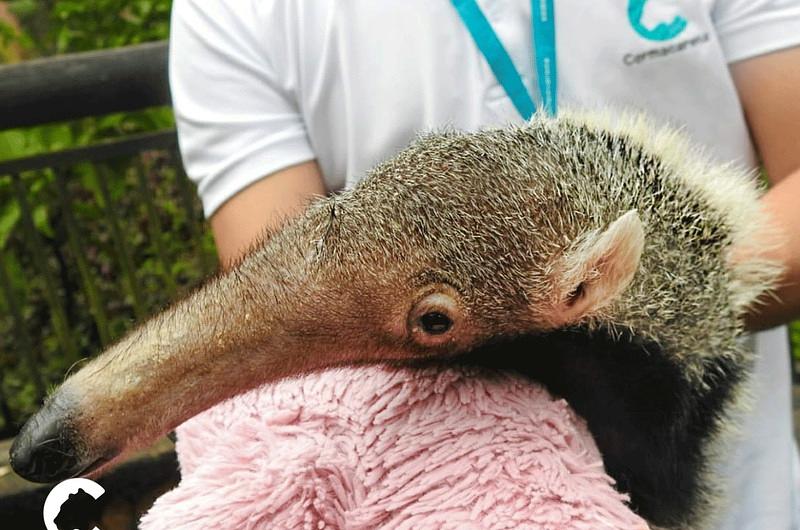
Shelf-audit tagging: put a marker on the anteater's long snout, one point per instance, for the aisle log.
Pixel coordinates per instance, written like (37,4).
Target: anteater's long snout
(224,339)
(48,448)
(176,365)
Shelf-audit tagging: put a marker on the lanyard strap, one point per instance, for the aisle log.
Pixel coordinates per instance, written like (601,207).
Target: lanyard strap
(544,44)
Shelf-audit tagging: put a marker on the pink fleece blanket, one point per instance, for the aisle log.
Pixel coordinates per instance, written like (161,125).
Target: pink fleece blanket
(377,447)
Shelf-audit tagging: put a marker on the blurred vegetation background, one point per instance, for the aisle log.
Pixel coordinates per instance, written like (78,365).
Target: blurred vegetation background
(31,29)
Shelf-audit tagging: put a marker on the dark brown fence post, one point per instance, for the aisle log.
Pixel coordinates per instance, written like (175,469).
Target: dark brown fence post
(69,87)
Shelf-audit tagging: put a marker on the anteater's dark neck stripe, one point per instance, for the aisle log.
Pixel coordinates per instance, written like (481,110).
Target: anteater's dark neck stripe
(651,425)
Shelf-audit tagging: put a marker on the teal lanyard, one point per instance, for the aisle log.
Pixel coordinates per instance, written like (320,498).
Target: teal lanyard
(544,45)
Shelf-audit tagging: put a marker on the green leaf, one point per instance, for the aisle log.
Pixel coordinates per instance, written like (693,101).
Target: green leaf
(88,177)
(63,40)
(23,8)
(12,144)
(16,273)
(41,220)
(56,137)
(8,220)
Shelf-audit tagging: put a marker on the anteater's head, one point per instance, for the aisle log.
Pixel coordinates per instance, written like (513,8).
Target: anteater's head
(458,241)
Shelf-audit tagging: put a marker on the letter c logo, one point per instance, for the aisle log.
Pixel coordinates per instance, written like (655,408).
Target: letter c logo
(662,31)
(69,501)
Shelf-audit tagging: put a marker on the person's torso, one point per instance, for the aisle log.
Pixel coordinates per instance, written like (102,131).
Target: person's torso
(369,76)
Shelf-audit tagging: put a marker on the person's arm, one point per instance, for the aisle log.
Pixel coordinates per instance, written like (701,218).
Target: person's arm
(241,128)
(264,205)
(769,86)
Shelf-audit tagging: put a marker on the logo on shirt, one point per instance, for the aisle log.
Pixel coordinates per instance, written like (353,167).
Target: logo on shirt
(660,23)
(661,31)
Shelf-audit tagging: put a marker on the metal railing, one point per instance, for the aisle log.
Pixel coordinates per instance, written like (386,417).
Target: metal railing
(95,236)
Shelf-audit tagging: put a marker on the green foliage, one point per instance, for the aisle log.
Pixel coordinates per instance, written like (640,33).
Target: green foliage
(85,233)
(62,26)
(68,257)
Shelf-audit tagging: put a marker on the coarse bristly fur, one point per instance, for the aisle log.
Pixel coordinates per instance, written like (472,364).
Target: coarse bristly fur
(599,255)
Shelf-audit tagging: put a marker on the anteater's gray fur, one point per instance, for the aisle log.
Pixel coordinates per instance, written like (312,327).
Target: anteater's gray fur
(547,186)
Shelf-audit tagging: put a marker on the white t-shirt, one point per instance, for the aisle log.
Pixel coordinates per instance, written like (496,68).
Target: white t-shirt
(259,85)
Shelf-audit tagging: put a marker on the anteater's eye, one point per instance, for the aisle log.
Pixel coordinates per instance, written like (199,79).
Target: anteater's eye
(435,323)
(436,317)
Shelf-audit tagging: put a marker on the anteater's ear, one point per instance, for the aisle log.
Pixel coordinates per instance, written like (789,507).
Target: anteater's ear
(598,270)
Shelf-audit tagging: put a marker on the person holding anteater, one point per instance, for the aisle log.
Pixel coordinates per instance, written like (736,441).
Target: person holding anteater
(312,96)
(278,102)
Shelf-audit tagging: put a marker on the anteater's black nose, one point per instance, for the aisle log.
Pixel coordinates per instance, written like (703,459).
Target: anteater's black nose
(44,451)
